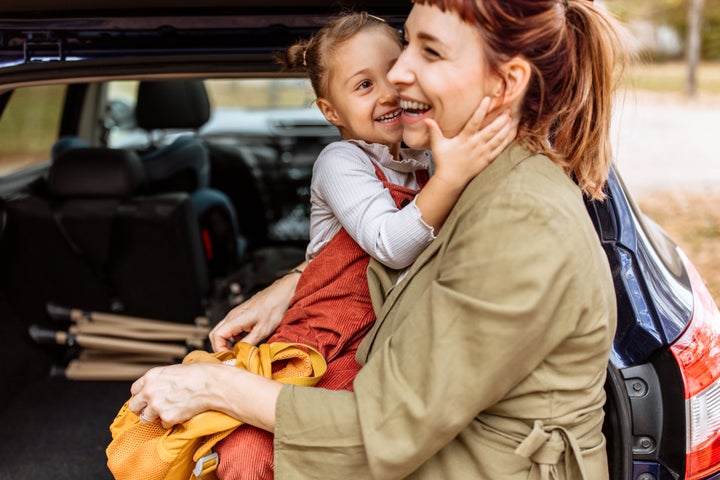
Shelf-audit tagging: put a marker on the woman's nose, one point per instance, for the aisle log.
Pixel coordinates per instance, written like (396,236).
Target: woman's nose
(400,74)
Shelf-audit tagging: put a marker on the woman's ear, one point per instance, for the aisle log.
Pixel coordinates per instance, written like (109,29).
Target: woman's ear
(516,74)
(328,111)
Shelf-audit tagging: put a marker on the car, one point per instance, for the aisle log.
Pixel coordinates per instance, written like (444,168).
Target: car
(154,171)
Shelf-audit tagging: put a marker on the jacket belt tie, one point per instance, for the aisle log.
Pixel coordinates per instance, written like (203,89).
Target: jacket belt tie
(544,446)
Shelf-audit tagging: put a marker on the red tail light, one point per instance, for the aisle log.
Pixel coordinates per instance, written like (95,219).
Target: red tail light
(697,352)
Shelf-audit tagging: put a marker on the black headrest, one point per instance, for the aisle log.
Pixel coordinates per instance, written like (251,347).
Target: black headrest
(95,172)
(172,104)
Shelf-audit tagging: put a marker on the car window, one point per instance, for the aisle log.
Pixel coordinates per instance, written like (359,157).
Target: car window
(120,120)
(29,125)
(246,94)
(260,93)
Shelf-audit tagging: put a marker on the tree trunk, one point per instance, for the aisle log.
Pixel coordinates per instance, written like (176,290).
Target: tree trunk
(694,41)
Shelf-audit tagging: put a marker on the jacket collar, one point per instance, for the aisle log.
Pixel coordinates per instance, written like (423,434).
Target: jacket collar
(480,186)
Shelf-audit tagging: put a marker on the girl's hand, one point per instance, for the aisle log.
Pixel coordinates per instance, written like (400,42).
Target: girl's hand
(460,158)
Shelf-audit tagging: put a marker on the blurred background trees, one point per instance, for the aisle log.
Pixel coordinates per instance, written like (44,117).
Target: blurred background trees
(674,30)
(661,26)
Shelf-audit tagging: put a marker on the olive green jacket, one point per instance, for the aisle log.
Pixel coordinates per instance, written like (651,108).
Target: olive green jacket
(487,360)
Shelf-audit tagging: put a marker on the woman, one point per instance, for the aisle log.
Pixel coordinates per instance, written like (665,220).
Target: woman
(488,356)
(358,189)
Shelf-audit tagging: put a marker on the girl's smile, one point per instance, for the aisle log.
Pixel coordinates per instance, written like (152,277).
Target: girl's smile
(391,117)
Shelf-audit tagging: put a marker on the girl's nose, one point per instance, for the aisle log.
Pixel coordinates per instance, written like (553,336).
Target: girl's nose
(389,93)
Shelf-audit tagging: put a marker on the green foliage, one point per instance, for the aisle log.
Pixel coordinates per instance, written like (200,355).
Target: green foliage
(671,77)
(31,119)
(711,30)
(673,13)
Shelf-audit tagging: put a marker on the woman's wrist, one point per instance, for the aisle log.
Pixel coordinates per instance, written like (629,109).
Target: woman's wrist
(248,397)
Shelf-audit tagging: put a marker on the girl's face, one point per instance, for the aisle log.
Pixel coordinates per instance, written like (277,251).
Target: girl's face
(441,74)
(361,101)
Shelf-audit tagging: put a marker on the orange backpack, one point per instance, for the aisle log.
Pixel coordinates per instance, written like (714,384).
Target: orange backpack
(141,451)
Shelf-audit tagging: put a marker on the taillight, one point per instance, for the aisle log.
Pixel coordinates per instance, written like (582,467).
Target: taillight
(697,352)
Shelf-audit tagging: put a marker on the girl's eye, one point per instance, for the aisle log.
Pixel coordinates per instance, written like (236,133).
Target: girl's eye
(364,84)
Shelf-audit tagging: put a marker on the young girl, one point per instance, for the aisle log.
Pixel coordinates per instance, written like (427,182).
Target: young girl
(365,202)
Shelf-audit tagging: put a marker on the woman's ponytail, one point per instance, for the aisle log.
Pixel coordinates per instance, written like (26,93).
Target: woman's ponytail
(597,59)
(575,49)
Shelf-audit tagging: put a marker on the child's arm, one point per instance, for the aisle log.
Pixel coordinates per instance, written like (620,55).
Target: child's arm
(459,159)
(345,187)
(346,193)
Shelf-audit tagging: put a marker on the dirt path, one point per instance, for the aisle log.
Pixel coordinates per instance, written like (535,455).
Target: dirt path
(693,220)
(664,142)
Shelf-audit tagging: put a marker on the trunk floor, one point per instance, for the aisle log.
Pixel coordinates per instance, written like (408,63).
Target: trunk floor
(57,429)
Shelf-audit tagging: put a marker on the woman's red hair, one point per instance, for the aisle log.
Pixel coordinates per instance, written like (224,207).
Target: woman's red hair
(575,49)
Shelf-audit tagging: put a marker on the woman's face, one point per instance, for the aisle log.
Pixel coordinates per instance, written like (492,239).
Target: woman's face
(441,74)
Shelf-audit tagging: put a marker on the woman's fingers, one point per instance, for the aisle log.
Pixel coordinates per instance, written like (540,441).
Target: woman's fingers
(238,321)
(137,385)
(169,395)
(146,416)
(221,337)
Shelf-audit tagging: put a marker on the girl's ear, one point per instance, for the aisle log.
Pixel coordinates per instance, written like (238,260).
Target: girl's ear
(328,111)
(513,82)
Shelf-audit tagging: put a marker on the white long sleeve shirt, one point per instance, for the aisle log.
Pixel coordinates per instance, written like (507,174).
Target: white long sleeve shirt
(346,192)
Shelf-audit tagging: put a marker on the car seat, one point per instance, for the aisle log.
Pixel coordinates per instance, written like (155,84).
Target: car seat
(170,106)
(95,242)
(183,165)
(167,107)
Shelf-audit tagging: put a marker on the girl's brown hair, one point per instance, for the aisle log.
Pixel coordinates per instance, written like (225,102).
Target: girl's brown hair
(575,49)
(314,55)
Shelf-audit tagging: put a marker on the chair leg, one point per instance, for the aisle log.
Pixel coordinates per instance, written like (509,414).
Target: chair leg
(119,347)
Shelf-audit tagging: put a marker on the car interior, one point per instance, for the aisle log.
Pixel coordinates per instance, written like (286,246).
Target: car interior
(142,214)
(137,210)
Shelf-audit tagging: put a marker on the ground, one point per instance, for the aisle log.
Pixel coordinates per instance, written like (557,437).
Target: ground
(665,146)
(692,219)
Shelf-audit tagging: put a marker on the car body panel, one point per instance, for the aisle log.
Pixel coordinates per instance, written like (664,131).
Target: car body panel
(87,43)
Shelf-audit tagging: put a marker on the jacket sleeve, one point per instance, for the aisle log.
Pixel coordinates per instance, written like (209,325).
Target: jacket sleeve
(479,314)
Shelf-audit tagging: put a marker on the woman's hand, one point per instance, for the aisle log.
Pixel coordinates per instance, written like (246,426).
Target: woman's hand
(258,317)
(172,395)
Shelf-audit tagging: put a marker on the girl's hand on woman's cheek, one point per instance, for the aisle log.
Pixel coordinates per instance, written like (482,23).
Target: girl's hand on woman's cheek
(460,158)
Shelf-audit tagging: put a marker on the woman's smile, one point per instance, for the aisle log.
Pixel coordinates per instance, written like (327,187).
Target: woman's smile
(414,108)
(413,111)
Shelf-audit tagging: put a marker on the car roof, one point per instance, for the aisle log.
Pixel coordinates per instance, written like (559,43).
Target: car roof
(46,40)
(54,8)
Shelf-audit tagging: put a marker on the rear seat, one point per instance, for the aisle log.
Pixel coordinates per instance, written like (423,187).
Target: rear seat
(94,242)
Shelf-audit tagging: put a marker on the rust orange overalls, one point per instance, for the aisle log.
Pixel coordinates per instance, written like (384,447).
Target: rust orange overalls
(330,311)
